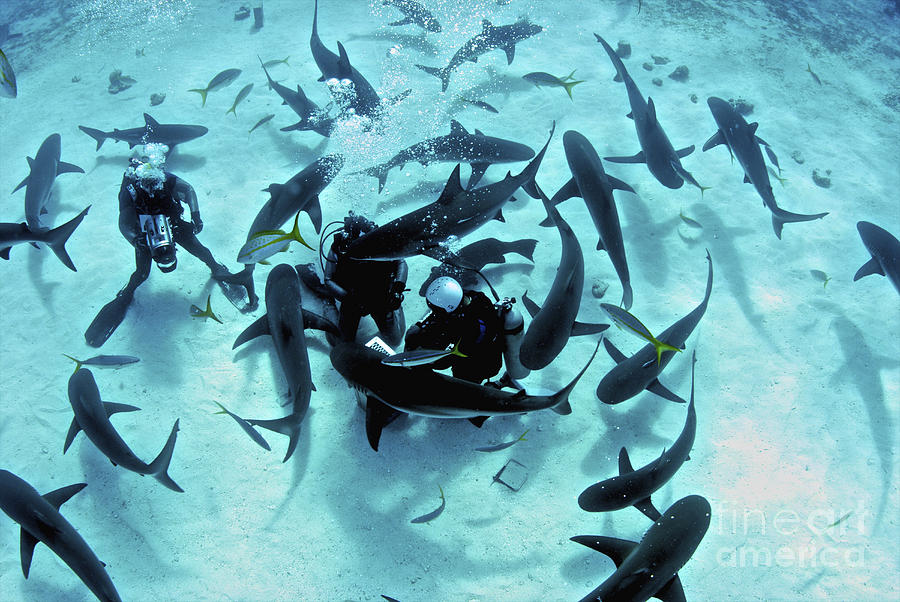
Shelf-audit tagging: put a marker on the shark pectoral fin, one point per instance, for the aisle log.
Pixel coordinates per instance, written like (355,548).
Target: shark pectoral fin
(478,170)
(63,167)
(714,140)
(160,466)
(74,428)
(583,328)
(60,496)
(684,152)
(656,387)
(567,191)
(4,252)
(499,216)
(314,211)
(671,591)
(27,542)
(22,183)
(618,184)
(510,53)
(646,506)
(113,408)
(259,328)
(638,158)
(624,462)
(630,114)
(868,268)
(613,351)
(478,421)
(747,179)
(378,416)
(617,549)
(532,307)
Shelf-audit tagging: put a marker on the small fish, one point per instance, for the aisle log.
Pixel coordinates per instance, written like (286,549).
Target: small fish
(219,81)
(540,78)
(814,76)
(262,121)
(196,312)
(434,513)
(480,104)
(240,96)
(776,176)
(820,276)
(626,321)
(840,520)
(690,221)
(269,64)
(266,243)
(501,446)
(248,428)
(420,357)
(772,157)
(8,87)
(104,361)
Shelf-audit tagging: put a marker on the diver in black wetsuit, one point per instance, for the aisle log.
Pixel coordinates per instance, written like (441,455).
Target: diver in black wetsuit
(362,287)
(150,209)
(484,334)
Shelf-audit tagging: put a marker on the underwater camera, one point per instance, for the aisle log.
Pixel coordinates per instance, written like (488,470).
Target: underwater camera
(159,239)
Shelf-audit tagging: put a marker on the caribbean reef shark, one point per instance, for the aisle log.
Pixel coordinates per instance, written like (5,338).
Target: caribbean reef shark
(553,324)
(414,12)
(595,186)
(663,161)
(169,134)
(448,397)
(312,118)
(300,193)
(473,257)
(45,166)
(631,375)
(634,487)
(741,140)
(92,417)
(13,234)
(284,322)
(649,568)
(458,146)
(885,251)
(456,212)
(490,38)
(365,100)
(38,516)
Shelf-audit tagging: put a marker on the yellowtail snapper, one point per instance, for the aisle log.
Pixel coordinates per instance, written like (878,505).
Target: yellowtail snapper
(262,245)
(626,321)
(196,312)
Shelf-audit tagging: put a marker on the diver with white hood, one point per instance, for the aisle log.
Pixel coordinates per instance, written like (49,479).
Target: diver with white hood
(150,209)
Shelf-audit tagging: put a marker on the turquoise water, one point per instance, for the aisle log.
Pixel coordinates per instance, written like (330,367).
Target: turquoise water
(797,382)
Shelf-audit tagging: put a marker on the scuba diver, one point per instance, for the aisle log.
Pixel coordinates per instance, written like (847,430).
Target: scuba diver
(483,333)
(361,287)
(150,209)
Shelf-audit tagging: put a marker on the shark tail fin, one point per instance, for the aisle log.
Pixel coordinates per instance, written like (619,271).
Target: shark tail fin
(525,247)
(58,237)
(160,466)
(780,217)
(289,425)
(380,172)
(569,85)
(202,92)
(562,406)
(441,73)
(531,169)
(97,135)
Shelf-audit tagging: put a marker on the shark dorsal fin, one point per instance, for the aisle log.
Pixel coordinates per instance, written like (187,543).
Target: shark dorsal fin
(624,462)
(453,187)
(344,68)
(479,132)
(149,121)
(457,129)
(485,26)
(651,111)
(753,126)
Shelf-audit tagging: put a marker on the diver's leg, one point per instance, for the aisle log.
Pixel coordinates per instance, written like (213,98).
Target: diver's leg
(348,322)
(112,314)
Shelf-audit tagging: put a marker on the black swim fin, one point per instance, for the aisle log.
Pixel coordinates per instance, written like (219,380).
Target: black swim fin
(107,320)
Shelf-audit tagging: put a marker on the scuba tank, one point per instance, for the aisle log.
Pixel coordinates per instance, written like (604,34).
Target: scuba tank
(513,331)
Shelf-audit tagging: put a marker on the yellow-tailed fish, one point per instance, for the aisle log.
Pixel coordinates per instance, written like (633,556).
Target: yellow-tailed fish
(266,243)
(196,312)
(689,221)
(269,64)
(219,81)
(420,357)
(8,87)
(104,361)
(240,96)
(626,321)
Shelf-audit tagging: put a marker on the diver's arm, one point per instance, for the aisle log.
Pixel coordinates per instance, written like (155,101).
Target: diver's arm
(128,219)
(184,193)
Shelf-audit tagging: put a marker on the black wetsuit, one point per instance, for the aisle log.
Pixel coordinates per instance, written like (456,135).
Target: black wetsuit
(478,329)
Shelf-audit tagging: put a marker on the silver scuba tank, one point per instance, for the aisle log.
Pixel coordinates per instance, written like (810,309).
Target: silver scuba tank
(513,331)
